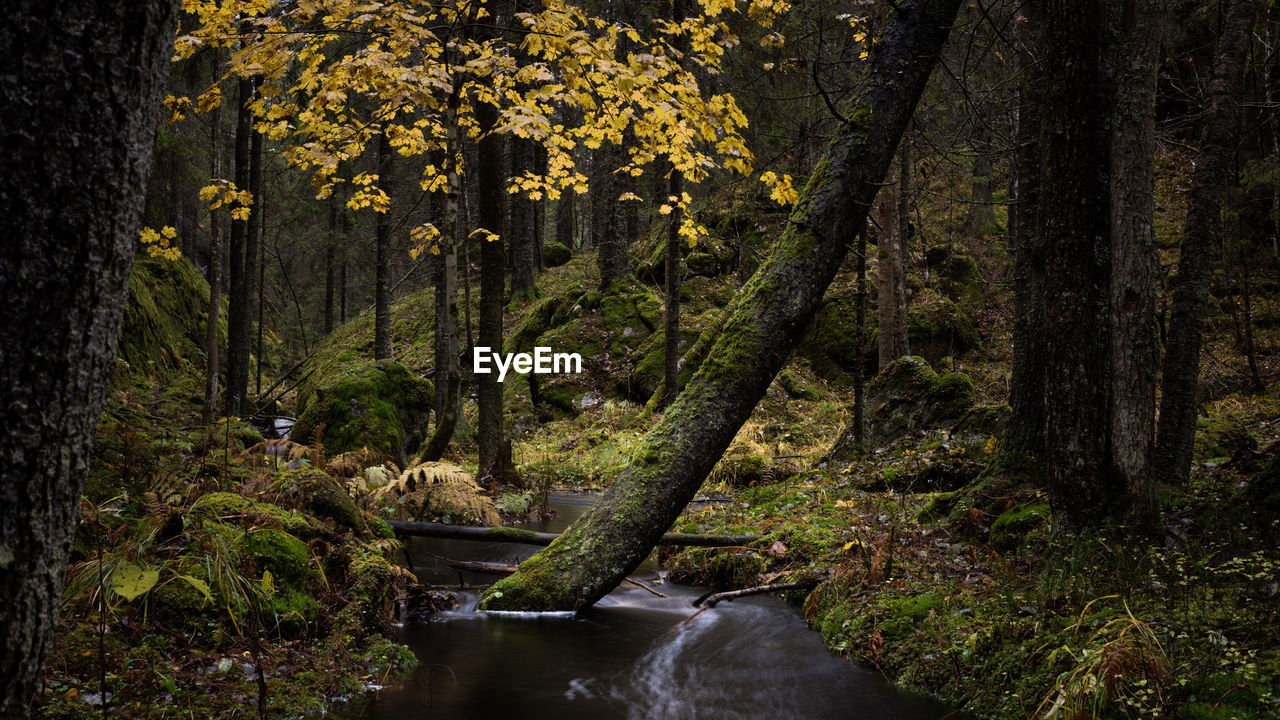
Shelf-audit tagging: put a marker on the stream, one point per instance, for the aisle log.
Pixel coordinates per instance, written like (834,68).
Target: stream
(628,657)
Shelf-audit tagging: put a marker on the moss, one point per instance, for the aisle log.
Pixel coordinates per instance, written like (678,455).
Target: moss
(951,396)
(555,254)
(378,405)
(222,505)
(796,387)
(1012,526)
(163,331)
(1224,437)
(912,609)
(703,263)
(320,495)
(295,611)
(286,557)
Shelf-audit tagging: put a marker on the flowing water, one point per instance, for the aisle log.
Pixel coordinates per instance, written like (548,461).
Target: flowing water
(634,655)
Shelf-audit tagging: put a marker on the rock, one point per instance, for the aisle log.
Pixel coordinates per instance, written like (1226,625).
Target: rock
(555,254)
(908,396)
(378,405)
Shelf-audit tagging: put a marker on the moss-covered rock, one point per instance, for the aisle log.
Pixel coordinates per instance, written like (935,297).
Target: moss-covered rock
(796,387)
(230,506)
(703,263)
(908,395)
(284,556)
(378,405)
(555,254)
(940,328)
(320,495)
(831,343)
(164,322)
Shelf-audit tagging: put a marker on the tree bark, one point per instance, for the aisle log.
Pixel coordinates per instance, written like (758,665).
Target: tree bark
(1076,216)
(671,289)
(891,290)
(525,234)
(78,109)
(1135,342)
(493,268)
(214,274)
(382,260)
(1024,435)
(607,222)
(766,319)
(1178,402)
(448,372)
(237,273)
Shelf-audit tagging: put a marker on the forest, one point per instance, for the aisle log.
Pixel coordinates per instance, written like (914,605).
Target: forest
(908,359)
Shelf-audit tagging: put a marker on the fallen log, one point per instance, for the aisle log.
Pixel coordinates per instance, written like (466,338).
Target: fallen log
(710,600)
(530,537)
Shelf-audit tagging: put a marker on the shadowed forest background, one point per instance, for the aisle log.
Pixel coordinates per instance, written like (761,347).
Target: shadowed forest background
(953,325)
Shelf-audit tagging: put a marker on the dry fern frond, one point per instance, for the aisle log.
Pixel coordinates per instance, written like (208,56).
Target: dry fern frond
(437,489)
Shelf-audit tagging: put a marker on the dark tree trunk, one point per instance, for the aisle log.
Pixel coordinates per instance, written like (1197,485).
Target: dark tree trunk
(1024,436)
(1135,349)
(382,260)
(493,258)
(607,222)
(525,234)
(671,288)
(78,108)
(982,209)
(237,273)
(1075,216)
(214,273)
(329,268)
(253,232)
(765,321)
(1178,401)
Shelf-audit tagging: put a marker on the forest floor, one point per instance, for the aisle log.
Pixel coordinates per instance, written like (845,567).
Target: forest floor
(205,554)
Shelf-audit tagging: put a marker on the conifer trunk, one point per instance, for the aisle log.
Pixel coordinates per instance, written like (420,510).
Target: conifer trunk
(765,321)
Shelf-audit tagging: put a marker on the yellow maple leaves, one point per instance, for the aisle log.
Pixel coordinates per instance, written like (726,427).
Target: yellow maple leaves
(160,243)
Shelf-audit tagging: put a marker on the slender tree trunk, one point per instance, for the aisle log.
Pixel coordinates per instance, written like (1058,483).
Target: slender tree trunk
(1076,216)
(214,274)
(262,289)
(493,258)
(78,108)
(1135,349)
(1024,435)
(448,372)
(891,305)
(382,272)
(671,288)
(1178,399)
(766,319)
(237,273)
(329,266)
(982,209)
(607,226)
(252,253)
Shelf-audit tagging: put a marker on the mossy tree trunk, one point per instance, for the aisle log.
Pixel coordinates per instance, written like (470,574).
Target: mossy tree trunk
(79,102)
(1178,401)
(766,320)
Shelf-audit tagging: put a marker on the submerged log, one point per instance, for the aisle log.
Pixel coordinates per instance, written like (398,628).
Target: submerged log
(710,599)
(530,537)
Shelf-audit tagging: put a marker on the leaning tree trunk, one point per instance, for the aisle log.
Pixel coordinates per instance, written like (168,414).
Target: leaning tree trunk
(766,320)
(1178,406)
(1135,341)
(78,108)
